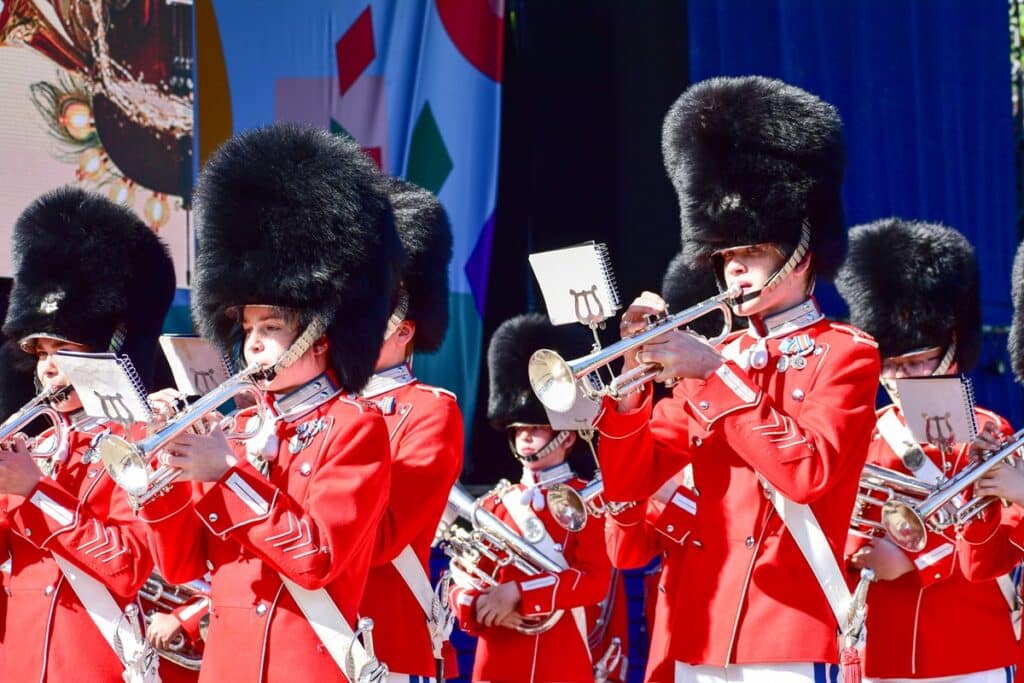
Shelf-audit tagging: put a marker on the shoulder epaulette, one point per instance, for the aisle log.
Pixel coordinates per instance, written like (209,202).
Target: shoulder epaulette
(858,335)
(437,391)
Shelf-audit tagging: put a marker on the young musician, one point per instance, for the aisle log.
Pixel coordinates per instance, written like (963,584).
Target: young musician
(425,428)
(89,276)
(561,653)
(774,419)
(914,287)
(298,261)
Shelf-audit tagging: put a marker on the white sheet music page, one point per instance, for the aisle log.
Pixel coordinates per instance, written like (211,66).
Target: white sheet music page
(938,410)
(197,365)
(577,284)
(107,385)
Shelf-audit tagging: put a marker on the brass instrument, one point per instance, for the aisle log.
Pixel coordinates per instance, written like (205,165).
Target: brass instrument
(40,406)
(128,464)
(494,540)
(571,508)
(167,597)
(908,523)
(609,662)
(555,380)
(882,487)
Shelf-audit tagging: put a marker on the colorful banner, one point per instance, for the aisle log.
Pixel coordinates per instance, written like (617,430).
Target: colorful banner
(417,84)
(100,95)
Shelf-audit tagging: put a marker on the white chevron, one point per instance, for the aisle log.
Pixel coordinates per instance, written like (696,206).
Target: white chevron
(290,531)
(305,539)
(98,530)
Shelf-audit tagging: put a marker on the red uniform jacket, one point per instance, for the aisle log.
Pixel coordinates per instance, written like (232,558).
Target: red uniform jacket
(561,653)
(609,619)
(908,622)
(425,426)
(741,576)
(81,515)
(313,520)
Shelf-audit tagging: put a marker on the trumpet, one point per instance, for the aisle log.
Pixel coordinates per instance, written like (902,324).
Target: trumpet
(167,597)
(494,540)
(571,508)
(908,523)
(879,487)
(555,380)
(128,464)
(40,406)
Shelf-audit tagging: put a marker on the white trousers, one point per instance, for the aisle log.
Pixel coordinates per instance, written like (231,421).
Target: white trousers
(793,672)
(1004,675)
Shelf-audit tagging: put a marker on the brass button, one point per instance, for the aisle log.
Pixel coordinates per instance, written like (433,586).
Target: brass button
(670,528)
(261,609)
(48,590)
(213,517)
(798,394)
(749,542)
(703,405)
(305,469)
(697,441)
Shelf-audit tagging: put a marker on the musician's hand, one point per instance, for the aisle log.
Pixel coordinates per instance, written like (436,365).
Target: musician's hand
(162,630)
(204,457)
(166,403)
(988,440)
(885,558)
(681,354)
(19,473)
(1005,480)
(496,603)
(512,620)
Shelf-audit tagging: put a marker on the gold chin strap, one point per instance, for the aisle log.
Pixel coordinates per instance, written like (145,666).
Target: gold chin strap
(792,262)
(947,359)
(398,314)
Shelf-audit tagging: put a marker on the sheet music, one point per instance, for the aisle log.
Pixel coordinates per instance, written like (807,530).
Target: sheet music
(197,365)
(577,283)
(938,410)
(107,385)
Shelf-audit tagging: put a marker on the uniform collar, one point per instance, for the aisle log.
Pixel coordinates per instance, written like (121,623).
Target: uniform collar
(310,395)
(792,319)
(547,477)
(388,380)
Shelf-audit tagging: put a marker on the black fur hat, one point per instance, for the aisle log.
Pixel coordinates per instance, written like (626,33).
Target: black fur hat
(751,159)
(427,237)
(912,285)
(86,268)
(1016,340)
(290,215)
(511,400)
(688,280)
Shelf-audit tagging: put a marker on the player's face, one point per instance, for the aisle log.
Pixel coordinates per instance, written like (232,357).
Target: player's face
(50,376)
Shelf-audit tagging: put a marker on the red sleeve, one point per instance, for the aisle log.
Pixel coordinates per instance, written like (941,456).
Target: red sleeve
(630,540)
(347,495)
(191,615)
(800,456)
(111,548)
(426,462)
(584,582)
(171,518)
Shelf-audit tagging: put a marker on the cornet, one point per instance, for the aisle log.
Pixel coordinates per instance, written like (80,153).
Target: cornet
(883,488)
(492,539)
(40,406)
(908,524)
(167,597)
(571,508)
(554,379)
(128,464)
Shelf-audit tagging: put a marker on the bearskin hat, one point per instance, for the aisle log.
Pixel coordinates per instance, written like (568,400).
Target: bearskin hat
(511,400)
(1016,340)
(751,160)
(89,271)
(912,285)
(427,237)
(688,280)
(289,215)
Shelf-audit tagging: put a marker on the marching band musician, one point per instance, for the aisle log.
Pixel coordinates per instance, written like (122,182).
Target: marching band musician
(298,259)
(425,427)
(914,287)
(560,653)
(775,420)
(90,276)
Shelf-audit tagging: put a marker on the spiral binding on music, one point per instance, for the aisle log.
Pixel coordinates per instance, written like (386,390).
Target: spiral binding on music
(126,365)
(970,402)
(610,283)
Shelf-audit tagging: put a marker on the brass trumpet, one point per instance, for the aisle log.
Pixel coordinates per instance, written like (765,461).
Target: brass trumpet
(571,508)
(554,380)
(492,539)
(128,464)
(908,523)
(883,488)
(40,406)
(167,597)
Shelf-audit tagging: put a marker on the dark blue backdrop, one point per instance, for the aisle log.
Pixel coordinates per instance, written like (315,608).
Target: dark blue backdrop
(924,91)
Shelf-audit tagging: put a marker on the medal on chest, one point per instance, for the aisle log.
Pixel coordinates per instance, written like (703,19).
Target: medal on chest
(794,352)
(534,530)
(304,435)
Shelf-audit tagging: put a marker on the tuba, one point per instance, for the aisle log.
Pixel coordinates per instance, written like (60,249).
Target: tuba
(128,464)
(492,539)
(555,380)
(167,597)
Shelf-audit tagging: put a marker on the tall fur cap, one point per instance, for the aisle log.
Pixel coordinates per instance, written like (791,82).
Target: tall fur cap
(83,267)
(751,158)
(289,215)
(427,237)
(911,285)
(511,399)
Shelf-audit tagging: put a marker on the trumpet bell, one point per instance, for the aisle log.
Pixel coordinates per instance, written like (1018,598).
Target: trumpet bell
(552,380)
(567,507)
(904,526)
(125,465)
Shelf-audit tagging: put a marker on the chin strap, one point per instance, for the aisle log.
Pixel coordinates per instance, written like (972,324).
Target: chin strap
(314,330)
(947,359)
(783,272)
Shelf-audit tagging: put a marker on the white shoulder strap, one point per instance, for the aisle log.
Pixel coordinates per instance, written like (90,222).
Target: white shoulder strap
(803,526)
(522,515)
(411,571)
(121,631)
(333,630)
